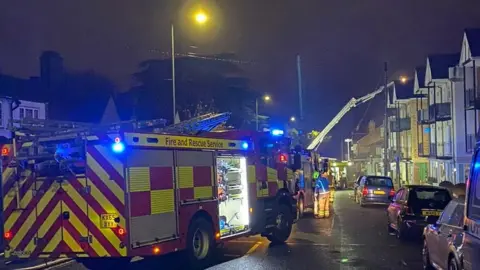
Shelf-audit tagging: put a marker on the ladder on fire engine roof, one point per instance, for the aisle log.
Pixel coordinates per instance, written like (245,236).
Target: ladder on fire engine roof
(49,128)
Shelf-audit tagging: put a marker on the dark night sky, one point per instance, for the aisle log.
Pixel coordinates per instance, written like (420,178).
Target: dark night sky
(343,43)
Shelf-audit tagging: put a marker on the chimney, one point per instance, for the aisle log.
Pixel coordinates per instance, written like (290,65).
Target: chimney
(51,69)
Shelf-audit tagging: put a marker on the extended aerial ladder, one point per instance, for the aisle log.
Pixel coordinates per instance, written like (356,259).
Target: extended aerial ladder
(350,104)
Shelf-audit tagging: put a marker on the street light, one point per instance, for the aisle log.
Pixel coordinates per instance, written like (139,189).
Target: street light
(201,18)
(293,119)
(348,141)
(265,98)
(403,79)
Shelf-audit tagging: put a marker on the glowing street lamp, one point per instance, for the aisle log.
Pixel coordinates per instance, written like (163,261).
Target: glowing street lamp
(293,119)
(201,18)
(403,79)
(265,98)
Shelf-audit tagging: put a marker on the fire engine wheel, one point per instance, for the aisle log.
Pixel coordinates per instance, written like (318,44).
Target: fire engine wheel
(105,263)
(200,243)
(281,232)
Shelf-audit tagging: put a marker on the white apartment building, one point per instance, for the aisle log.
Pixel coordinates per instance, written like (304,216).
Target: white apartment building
(465,78)
(26,109)
(439,100)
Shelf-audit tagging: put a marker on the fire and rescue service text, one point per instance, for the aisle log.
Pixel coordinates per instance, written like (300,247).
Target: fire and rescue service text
(192,142)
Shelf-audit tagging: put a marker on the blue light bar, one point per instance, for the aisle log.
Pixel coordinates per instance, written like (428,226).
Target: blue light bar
(276,132)
(118,147)
(245,145)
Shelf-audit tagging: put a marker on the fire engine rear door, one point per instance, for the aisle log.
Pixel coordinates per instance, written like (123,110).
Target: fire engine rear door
(63,209)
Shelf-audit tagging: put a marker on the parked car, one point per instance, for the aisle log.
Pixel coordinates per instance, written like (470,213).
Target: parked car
(375,190)
(411,205)
(442,239)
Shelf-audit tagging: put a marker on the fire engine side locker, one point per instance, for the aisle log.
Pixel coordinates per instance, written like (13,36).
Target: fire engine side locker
(151,196)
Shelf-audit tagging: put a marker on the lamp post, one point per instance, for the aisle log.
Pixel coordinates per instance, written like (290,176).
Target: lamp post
(348,141)
(265,98)
(201,18)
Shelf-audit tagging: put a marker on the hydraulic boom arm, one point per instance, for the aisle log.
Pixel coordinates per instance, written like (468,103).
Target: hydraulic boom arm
(351,104)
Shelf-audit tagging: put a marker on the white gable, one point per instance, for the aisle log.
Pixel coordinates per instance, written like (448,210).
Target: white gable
(466,53)
(110,115)
(416,86)
(428,73)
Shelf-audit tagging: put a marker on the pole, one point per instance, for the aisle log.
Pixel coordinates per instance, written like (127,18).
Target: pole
(348,150)
(385,125)
(343,153)
(173,75)
(256,114)
(300,90)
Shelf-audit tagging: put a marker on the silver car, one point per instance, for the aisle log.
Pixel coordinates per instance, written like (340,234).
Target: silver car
(375,190)
(442,239)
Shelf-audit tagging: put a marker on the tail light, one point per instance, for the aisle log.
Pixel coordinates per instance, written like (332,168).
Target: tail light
(365,191)
(8,235)
(120,231)
(283,158)
(392,192)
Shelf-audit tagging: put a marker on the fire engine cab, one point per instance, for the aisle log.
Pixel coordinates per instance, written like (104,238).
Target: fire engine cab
(102,195)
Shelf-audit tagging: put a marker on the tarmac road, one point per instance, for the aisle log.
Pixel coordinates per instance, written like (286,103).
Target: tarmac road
(353,238)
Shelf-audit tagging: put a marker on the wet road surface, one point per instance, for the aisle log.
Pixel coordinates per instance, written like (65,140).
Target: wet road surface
(353,238)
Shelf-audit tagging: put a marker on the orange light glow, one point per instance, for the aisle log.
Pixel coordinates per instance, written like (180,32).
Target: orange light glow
(217,236)
(251,210)
(5,151)
(8,235)
(156,250)
(121,231)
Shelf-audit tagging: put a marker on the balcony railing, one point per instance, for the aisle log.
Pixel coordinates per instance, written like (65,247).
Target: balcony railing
(400,124)
(472,99)
(433,150)
(440,111)
(423,151)
(423,116)
(470,143)
(444,150)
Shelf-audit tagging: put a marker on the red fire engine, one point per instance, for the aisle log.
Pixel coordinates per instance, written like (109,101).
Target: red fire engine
(105,197)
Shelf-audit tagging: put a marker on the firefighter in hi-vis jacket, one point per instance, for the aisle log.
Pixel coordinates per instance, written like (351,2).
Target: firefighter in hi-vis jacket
(321,196)
(331,187)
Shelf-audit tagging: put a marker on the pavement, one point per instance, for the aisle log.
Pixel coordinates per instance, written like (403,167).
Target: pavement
(353,237)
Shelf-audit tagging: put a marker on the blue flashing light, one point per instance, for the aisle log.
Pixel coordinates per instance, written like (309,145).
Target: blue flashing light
(277,132)
(118,147)
(245,145)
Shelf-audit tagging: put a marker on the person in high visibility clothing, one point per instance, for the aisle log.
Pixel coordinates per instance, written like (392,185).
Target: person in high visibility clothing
(321,196)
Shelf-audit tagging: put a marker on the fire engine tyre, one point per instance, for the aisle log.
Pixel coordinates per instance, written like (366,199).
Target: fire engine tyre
(105,263)
(200,243)
(281,232)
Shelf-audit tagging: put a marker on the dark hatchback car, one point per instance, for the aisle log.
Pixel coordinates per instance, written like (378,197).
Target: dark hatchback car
(411,206)
(375,190)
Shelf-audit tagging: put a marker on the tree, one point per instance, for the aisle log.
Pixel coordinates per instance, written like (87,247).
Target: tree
(202,86)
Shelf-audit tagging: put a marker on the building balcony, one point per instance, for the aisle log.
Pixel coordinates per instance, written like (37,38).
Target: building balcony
(472,99)
(444,150)
(440,111)
(423,117)
(400,124)
(423,150)
(433,150)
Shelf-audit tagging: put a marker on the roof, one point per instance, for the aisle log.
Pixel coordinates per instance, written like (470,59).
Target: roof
(423,186)
(473,37)
(420,71)
(439,64)
(22,89)
(404,90)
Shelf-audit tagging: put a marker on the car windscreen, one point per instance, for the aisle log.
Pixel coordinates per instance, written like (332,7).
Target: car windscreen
(429,197)
(379,181)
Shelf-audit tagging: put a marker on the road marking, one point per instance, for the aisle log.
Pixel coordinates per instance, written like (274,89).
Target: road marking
(2,254)
(46,265)
(136,259)
(231,255)
(252,249)
(60,265)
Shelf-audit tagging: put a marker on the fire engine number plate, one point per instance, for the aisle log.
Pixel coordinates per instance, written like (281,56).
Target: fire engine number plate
(108,221)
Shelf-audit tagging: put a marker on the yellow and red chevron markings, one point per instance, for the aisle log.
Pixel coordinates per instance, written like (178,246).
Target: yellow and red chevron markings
(50,218)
